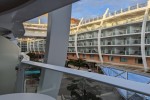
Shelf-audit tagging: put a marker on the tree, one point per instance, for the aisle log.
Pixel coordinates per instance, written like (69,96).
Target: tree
(79,63)
(69,62)
(80,90)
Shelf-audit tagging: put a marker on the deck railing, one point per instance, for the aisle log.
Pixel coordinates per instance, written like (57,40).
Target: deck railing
(127,75)
(137,6)
(136,87)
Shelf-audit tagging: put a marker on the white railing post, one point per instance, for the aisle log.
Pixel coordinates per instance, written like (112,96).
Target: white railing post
(137,5)
(129,8)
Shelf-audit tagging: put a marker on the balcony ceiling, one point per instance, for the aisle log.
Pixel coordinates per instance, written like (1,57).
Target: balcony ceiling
(6,5)
(23,10)
(14,12)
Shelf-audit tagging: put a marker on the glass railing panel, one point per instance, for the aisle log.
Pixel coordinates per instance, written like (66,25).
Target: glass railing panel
(147,41)
(124,10)
(135,41)
(132,52)
(129,95)
(31,78)
(80,88)
(133,7)
(147,52)
(142,5)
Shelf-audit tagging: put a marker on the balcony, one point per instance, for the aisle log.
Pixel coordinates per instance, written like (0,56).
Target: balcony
(71,45)
(129,42)
(122,42)
(130,8)
(121,32)
(98,85)
(56,54)
(71,39)
(122,52)
(71,51)
(137,31)
(91,51)
(93,44)
(108,43)
(147,52)
(147,41)
(135,52)
(135,41)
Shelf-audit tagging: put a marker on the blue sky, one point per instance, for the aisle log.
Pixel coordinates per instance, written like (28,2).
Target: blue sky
(93,8)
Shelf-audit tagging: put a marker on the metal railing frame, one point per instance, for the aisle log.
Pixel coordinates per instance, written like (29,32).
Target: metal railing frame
(137,87)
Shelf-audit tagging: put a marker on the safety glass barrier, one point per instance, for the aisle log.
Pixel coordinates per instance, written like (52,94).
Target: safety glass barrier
(84,85)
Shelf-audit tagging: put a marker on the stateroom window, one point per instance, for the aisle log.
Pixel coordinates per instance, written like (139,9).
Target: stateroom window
(138,60)
(84,56)
(92,56)
(73,55)
(123,59)
(110,58)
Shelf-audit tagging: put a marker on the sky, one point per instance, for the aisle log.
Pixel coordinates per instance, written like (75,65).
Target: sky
(93,8)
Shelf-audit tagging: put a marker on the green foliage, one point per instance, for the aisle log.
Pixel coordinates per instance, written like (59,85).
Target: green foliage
(78,63)
(72,87)
(80,90)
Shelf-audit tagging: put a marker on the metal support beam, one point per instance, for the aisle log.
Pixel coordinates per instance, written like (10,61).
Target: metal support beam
(99,36)
(56,49)
(143,37)
(76,38)
(133,86)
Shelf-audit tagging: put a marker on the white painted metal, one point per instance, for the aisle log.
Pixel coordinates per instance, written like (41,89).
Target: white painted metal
(113,81)
(9,59)
(19,88)
(33,46)
(30,46)
(56,49)
(99,36)
(43,45)
(143,37)
(27,46)
(76,38)
(25,96)
(38,46)
(13,19)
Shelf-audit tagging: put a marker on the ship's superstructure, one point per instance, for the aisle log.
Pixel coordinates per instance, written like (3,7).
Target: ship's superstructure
(115,38)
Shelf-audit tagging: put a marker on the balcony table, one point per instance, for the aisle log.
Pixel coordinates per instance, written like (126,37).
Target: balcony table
(25,96)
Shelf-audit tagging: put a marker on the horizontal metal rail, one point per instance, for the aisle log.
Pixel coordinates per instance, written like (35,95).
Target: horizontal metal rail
(113,81)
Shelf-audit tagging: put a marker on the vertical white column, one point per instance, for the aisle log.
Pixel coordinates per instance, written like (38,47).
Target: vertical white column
(76,38)
(143,37)
(38,46)
(43,45)
(56,49)
(75,44)
(30,46)
(20,43)
(99,46)
(27,45)
(99,37)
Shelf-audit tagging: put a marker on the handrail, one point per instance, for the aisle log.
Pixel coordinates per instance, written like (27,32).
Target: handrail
(117,82)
